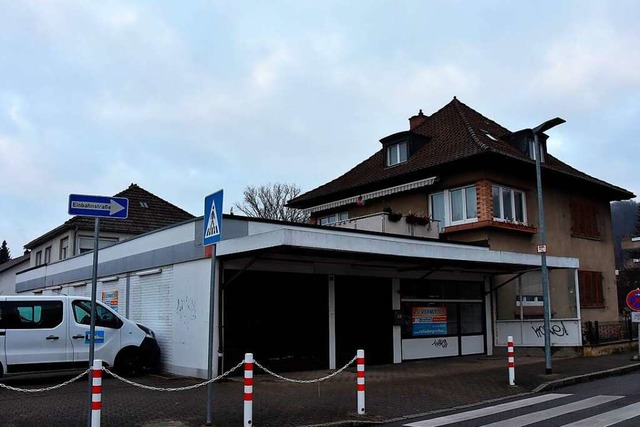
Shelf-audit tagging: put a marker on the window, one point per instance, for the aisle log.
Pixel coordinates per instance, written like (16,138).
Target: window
(30,314)
(590,288)
(38,257)
(333,218)
(397,153)
(64,248)
(456,206)
(532,151)
(85,243)
(47,255)
(104,317)
(584,220)
(508,204)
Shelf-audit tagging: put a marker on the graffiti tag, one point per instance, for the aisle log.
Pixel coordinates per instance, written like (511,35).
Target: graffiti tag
(440,343)
(557,330)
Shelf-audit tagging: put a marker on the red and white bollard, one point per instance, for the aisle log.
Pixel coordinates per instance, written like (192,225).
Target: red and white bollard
(512,365)
(360,380)
(248,389)
(96,392)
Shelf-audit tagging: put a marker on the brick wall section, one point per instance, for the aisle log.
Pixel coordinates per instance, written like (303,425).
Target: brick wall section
(484,200)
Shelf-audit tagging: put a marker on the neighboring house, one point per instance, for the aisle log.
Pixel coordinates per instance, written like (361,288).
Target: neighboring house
(475,181)
(8,272)
(76,236)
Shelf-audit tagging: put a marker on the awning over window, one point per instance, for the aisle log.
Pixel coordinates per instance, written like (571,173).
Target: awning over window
(373,195)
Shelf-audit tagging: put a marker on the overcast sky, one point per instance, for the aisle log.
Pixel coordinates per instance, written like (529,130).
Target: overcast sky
(188,97)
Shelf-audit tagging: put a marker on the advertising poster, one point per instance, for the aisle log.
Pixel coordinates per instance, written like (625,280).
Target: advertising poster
(111,299)
(429,321)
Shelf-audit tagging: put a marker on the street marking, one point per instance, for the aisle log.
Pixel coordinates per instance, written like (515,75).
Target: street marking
(534,417)
(609,418)
(469,415)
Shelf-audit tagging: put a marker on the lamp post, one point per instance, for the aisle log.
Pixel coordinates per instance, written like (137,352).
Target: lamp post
(542,246)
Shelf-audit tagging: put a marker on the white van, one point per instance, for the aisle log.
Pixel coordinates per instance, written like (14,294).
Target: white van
(52,332)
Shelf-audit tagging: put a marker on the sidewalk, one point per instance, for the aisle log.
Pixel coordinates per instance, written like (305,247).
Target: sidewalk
(413,388)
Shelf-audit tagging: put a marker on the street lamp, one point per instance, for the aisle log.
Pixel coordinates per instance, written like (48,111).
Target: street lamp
(542,246)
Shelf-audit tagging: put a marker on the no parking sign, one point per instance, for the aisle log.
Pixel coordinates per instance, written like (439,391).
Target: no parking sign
(633,300)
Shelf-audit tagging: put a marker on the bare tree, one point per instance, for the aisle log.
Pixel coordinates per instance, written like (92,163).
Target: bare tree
(269,201)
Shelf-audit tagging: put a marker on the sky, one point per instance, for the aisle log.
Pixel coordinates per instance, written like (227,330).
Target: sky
(185,98)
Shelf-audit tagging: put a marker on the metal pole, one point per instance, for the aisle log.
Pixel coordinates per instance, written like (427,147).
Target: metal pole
(543,261)
(92,328)
(212,299)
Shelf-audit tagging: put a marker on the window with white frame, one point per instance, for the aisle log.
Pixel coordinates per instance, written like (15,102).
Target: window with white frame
(397,153)
(455,206)
(64,248)
(508,204)
(333,218)
(85,244)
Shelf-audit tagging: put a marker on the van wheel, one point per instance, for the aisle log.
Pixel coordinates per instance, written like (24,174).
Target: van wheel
(129,363)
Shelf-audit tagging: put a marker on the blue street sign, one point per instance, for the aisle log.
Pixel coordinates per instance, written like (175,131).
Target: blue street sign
(100,206)
(212,218)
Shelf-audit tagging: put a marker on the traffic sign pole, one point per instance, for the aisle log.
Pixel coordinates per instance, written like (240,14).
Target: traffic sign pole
(633,302)
(98,207)
(212,233)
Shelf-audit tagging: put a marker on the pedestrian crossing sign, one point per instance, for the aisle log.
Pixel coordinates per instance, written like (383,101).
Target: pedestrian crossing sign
(212,218)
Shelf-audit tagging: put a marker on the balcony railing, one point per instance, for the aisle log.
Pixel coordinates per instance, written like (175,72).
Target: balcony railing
(382,223)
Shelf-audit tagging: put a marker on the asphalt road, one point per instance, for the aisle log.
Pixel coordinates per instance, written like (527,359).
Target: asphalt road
(601,403)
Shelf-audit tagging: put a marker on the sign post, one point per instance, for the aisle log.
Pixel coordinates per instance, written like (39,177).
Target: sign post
(633,302)
(98,207)
(212,232)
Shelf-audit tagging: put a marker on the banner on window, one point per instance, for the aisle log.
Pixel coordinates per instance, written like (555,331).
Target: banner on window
(429,321)
(111,299)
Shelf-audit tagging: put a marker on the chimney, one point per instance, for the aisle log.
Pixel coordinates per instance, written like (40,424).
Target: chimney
(417,120)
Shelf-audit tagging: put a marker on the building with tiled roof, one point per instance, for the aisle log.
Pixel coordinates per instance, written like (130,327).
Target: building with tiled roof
(146,212)
(473,180)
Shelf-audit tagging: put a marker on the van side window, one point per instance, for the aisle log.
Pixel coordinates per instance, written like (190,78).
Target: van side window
(104,318)
(31,314)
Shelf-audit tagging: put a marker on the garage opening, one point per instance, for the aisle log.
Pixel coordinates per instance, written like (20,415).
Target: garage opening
(282,318)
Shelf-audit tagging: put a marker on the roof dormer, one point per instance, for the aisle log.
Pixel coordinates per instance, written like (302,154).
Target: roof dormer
(399,147)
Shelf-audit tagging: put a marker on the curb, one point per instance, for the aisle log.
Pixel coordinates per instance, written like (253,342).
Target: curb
(552,385)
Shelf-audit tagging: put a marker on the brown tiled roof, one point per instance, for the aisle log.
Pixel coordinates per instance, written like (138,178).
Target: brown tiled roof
(147,212)
(454,132)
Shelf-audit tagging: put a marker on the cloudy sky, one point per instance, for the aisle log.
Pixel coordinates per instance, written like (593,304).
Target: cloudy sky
(186,98)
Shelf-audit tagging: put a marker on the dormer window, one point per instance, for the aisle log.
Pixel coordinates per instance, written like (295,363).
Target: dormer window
(533,151)
(397,153)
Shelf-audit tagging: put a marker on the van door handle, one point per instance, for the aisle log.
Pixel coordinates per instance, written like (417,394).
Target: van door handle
(52,337)
(75,337)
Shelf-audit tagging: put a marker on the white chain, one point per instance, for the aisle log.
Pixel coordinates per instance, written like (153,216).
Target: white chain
(190,387)
(306,381)
(37,390)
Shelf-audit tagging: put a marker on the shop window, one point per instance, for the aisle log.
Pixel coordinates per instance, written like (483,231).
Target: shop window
(584,220)
(590,289)
(455,206)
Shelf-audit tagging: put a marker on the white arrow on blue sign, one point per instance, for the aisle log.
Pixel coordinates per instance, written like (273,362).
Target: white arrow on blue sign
(100,206)
(212,218)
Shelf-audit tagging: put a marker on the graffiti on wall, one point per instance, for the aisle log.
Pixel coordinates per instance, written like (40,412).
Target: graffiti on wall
(556,329)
